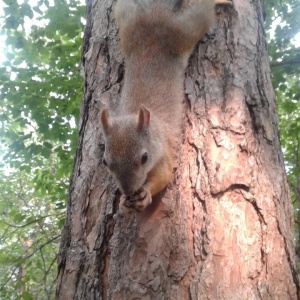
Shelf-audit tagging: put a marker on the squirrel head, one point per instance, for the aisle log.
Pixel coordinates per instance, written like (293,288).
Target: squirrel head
(128,148)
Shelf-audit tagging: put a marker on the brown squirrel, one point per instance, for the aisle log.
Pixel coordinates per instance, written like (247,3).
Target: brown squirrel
(157,39)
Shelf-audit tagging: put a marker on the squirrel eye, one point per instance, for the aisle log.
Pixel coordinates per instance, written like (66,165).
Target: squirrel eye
(104,162)
(144,158)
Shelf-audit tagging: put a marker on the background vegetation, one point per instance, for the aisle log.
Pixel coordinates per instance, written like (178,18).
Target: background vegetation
(40,91)
(41,88)
(283,35)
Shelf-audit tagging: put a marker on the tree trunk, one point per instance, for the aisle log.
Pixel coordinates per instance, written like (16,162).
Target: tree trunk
(224,228)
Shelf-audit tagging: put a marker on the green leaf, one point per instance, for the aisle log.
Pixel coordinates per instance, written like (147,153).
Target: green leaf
(27,296)
(26,10)
(11,22)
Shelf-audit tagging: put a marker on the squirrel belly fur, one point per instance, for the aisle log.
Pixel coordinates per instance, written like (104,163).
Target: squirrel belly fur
(157,39)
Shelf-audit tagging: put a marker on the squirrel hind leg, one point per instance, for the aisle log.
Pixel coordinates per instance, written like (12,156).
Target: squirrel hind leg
(192,22)
(225,2)
(174,4)
(124,10)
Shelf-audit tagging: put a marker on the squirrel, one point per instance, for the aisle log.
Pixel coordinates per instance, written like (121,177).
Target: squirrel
(157,38)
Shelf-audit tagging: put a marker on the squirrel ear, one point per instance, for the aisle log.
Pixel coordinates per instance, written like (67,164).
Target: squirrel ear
(144,117)
(105,120)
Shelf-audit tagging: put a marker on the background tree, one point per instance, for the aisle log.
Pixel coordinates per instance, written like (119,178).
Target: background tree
(224,229)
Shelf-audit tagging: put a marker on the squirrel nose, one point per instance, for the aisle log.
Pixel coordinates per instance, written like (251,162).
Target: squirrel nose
(126,185)
(127,191)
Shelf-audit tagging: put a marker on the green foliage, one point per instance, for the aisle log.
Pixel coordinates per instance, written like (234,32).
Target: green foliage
(41,89)
(284,17)
(29,239)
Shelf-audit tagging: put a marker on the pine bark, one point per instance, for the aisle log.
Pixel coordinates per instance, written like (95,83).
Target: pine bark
(223,229)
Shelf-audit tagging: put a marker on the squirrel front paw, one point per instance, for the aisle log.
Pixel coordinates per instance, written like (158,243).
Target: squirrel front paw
(137,202)
(126,206)
(141,199)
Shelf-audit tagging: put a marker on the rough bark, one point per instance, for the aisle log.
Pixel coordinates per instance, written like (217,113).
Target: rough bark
(223,229)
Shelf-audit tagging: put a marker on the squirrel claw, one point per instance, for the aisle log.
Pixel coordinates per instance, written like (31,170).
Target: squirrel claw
(139,195)
(126,206)
(141,199)
(135,203)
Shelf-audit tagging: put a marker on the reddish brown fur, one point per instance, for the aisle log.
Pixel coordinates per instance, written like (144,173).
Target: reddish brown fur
(156,39)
